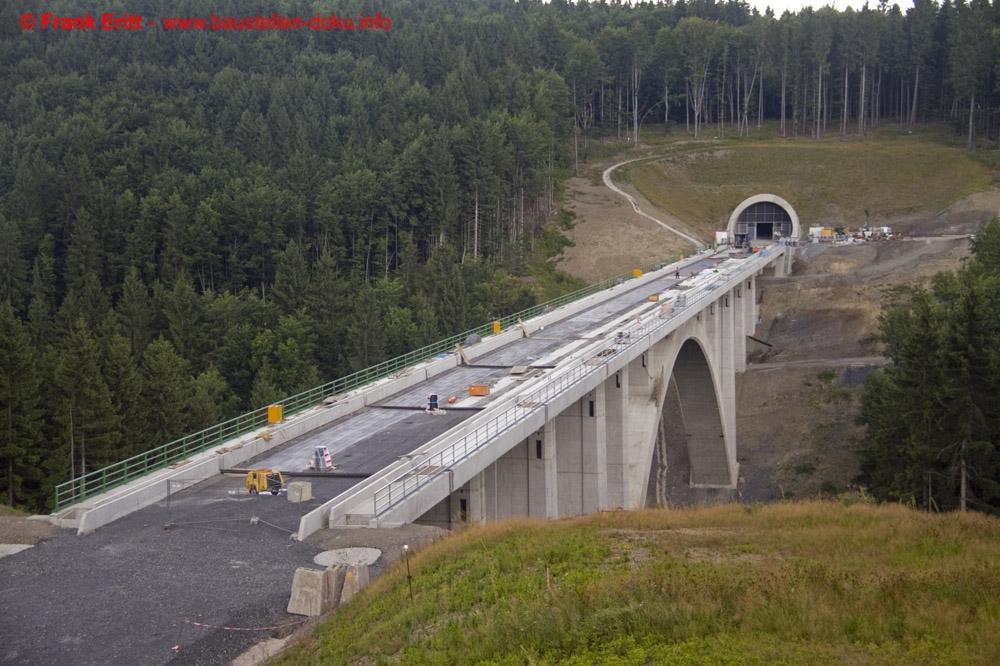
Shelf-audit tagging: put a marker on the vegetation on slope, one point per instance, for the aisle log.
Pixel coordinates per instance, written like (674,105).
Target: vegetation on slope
(195,222)
(933,413)
(811,583)
(834,182)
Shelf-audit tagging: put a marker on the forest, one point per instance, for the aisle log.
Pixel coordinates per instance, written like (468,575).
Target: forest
(196,223)
(933,416)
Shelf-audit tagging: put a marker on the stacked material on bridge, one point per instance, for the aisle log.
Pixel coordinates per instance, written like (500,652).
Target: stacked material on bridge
(321,459)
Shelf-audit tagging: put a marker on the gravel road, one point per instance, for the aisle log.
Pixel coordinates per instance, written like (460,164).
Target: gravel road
(127,593)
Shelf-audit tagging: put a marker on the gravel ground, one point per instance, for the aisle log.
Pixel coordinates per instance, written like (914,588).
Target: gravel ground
(126,594)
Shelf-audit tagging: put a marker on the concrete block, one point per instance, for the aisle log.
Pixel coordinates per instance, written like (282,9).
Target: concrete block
(309,592)
(335,577)
(355,580)
(299,491)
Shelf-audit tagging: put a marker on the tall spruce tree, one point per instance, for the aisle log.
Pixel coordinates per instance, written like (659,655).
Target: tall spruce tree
(165,384)
(91,425)
(20,413)
(933,413)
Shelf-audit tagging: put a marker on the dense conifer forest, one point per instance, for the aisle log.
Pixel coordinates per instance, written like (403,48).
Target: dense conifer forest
(194,222)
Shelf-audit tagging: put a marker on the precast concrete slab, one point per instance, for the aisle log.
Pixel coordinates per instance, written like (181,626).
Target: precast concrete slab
(454,382)
(348,557)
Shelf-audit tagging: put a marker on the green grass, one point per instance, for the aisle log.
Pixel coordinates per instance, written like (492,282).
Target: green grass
(9,511)
(833,181)
(792,583)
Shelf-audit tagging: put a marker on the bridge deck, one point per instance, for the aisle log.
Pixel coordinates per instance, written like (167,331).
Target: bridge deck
(369,440)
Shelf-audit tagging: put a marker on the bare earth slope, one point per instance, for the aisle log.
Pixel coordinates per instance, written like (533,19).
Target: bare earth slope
(609,237)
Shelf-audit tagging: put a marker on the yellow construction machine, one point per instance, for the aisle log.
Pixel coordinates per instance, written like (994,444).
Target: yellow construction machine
(262,480)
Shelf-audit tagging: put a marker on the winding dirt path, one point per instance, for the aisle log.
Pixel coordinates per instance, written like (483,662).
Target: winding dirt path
(635,206)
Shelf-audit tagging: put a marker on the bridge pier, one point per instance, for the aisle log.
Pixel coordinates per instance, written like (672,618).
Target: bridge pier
(598,452)
(559,471)
(616,391)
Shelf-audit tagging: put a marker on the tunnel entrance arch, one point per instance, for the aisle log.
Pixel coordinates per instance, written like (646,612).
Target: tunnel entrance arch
(763,218)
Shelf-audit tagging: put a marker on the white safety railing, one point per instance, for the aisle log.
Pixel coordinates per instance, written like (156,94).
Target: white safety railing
(439,463)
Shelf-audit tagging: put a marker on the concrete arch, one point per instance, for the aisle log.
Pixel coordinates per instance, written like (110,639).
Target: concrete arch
(701,417)
(738,235)
(684,363)
(657,415)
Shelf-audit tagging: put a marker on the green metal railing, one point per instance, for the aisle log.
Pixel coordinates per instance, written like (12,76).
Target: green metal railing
(123,471)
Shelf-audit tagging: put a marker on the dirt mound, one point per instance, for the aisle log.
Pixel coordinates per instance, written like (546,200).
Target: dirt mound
(23,530)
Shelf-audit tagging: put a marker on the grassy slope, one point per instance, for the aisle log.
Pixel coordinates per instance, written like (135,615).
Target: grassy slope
(810,583)
(830,182)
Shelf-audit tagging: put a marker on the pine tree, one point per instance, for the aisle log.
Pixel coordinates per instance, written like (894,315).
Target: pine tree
(119,367)
(264,392)
(13,266)
(176,221)
(165,383)
(41,310)
(84,257)
(85,300)
(183,310)
(446,291)
(933,413)
(210,400)
(291,281)
(366,333)
(135,313)
(86,411)
(20,416)
(328,303)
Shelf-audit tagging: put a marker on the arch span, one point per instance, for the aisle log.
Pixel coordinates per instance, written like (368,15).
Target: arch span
(700,417)
(760,216)
(684,364)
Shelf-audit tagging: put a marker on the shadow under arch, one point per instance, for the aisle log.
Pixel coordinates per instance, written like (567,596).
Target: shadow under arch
(700,416)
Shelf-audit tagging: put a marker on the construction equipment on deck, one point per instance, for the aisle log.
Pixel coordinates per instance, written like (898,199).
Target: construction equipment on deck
(265,480)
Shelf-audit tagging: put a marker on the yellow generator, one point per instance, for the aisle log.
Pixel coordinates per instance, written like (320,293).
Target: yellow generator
(260,480)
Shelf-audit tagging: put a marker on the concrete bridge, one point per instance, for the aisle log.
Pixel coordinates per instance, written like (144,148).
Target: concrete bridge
(572,420)
(577,429)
